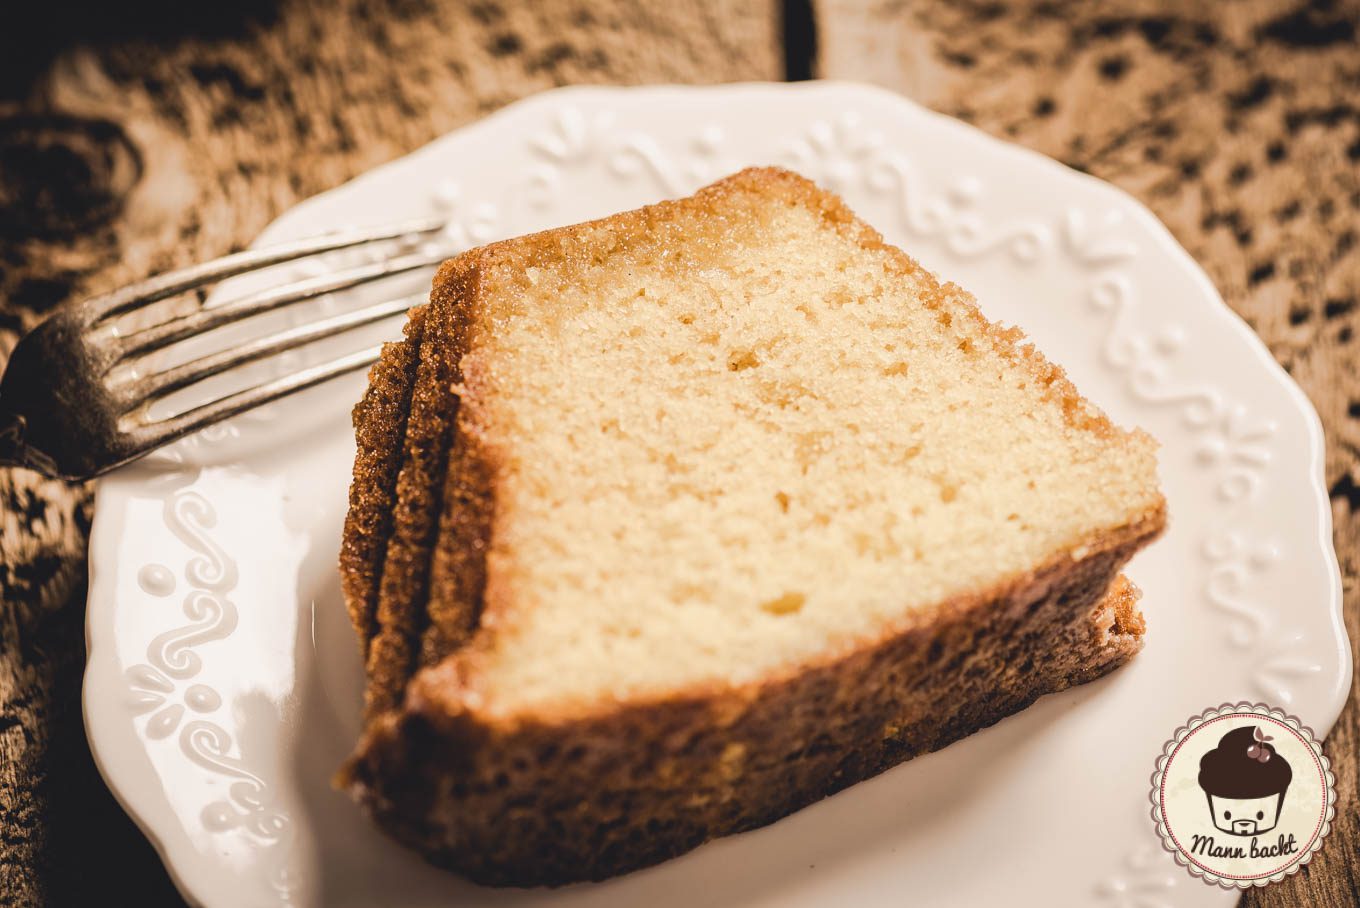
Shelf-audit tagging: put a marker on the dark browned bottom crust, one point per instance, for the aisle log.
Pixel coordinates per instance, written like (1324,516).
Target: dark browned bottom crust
(552,803)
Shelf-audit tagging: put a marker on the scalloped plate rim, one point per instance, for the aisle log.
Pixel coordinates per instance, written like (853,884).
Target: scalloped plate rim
(177,855)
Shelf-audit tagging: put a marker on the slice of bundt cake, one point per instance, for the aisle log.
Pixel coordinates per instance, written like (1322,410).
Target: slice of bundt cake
(666,525)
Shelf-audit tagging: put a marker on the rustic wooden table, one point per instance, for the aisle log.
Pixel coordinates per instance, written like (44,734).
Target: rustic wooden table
(145,134)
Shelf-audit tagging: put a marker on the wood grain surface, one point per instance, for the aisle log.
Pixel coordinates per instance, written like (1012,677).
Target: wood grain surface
(147,133)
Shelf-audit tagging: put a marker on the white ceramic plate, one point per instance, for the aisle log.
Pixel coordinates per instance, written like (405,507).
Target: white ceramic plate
(223,681)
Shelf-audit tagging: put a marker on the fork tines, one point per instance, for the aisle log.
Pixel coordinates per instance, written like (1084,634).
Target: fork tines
(135,392)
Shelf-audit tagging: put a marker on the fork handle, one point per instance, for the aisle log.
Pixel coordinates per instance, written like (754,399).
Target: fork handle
(11,440)
(14,452)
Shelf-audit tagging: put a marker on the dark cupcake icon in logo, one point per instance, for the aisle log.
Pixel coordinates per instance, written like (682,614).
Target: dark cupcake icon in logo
(1245,780)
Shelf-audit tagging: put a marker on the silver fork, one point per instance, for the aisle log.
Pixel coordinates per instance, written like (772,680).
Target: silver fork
(68,410)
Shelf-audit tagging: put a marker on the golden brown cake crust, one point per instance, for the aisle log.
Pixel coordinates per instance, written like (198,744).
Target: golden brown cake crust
(401,614)
(379,418)
(553,798)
